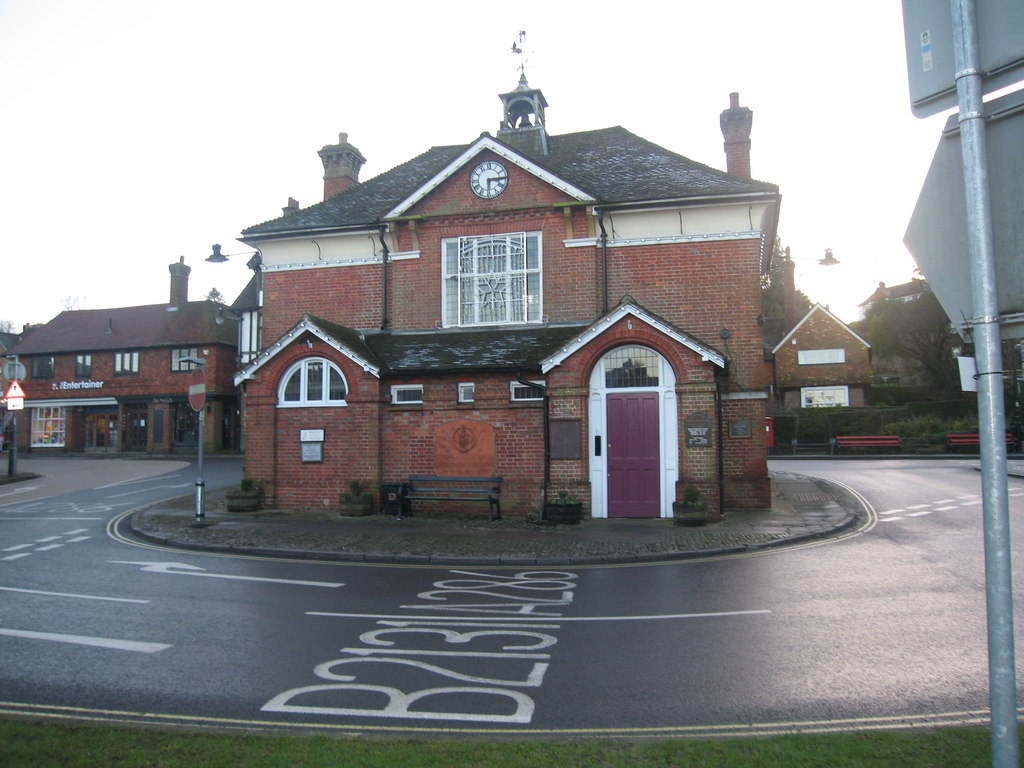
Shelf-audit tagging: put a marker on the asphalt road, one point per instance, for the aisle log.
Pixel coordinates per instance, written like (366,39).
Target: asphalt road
(886,628)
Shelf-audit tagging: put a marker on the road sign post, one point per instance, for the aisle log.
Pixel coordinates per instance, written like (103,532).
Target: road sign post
(991,417)
(197,399)
(15,397)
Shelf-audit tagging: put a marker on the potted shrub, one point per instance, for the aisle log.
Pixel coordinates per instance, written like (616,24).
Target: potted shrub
(563,508)
(692,510)
(244,498)
(356,501)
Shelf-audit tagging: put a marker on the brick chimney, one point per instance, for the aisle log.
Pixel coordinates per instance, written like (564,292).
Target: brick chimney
(736,122)
(292,207)
(341,162)
(179,281)
(789,293)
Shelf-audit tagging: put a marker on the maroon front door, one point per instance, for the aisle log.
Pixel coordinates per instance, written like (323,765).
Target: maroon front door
(634,487)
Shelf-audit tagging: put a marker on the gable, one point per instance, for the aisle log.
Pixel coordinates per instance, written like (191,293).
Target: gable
(457,173)
(826,323)
(625,310)
(343,340)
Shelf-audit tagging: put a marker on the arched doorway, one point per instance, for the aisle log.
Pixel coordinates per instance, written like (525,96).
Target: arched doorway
(634,457)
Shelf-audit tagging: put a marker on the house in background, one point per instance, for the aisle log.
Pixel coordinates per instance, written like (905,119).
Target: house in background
(570,312)
(821,361)
(116,380)
(902,292)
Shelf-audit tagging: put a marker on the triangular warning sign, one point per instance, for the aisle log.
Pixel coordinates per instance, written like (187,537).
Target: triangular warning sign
(14,390)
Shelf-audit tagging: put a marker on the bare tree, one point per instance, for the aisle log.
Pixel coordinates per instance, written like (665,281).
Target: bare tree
(72,303)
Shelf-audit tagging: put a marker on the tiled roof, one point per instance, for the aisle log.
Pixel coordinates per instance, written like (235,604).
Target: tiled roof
(902,291)
(451,350)
(154,325)
(611,164)
(485,349)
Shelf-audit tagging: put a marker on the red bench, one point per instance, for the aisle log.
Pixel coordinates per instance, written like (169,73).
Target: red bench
(971,441)
(869,441)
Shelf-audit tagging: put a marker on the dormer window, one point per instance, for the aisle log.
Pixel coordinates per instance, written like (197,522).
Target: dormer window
(492,279)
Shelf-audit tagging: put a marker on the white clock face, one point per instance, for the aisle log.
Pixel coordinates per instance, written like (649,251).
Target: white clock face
(488,179)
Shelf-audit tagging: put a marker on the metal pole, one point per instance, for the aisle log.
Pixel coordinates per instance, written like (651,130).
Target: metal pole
(991,417)
(12,451)
(200,482)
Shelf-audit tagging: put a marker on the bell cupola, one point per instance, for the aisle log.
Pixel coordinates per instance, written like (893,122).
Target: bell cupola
(523,123)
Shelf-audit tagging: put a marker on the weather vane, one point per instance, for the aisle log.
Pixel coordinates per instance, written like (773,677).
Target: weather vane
(519,48)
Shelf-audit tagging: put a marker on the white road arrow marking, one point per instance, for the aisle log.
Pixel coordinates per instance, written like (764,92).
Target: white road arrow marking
(183,569)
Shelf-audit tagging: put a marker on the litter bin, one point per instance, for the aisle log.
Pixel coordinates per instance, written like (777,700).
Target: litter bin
(393,501)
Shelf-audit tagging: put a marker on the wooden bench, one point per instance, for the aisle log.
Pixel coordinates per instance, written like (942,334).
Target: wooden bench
(869,441)
(969,441)
(437,488)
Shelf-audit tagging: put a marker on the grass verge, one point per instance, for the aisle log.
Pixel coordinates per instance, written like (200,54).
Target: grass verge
(48,745)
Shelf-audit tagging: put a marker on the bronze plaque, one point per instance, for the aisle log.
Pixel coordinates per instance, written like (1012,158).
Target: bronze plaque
(464,448)
(565,439)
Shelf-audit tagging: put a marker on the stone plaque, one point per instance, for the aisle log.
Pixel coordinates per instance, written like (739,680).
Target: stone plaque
(697,430)
(464,448)
(312,452)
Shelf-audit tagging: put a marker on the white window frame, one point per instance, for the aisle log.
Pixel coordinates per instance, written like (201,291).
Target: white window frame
(821,356)
(406,388)
(467,392)
(515,389)
(466,267)
(126,362)
(304,401)
(179,365)
(807,393)
(83,366)
(49,427)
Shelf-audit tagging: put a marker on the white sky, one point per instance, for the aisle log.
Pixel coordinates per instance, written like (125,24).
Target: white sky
(135,132)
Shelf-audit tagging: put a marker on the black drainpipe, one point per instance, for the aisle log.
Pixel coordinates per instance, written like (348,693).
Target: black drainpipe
(604,261)
(547,432)
(385,258)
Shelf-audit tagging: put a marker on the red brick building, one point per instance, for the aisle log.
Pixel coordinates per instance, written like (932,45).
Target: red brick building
(570,312)
(116,381)
(820,362)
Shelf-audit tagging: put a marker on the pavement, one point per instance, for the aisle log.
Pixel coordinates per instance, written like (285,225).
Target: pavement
(803,509)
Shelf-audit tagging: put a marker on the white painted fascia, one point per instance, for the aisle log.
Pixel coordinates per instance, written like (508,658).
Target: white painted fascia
(609,320)
(68,402)
(304,326)
(487,143)
(806,317)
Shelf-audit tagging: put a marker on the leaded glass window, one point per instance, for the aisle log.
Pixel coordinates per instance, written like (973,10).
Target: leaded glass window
(492,279)
(631,366)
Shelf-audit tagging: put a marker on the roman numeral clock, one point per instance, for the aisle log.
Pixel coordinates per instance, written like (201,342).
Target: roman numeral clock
(488,180)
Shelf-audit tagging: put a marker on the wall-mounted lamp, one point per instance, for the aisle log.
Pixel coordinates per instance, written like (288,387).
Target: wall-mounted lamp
(219,258)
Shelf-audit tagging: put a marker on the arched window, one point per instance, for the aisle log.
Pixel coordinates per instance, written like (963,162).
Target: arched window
(313,381)
(631,366)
